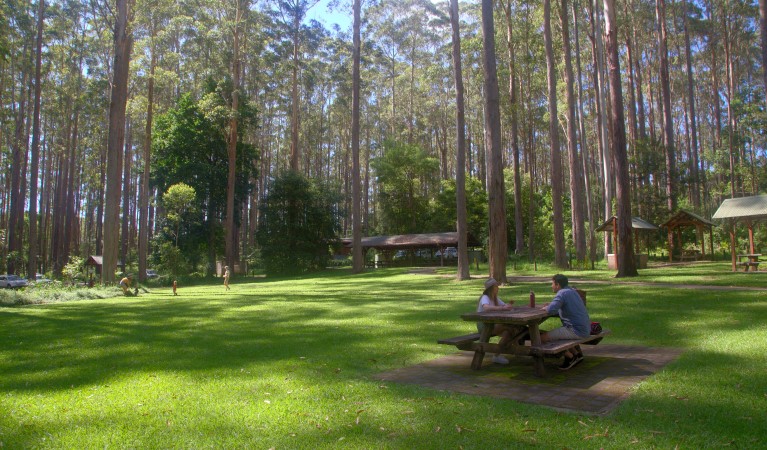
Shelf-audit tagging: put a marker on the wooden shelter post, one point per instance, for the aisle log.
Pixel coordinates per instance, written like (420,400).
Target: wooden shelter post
(732,245)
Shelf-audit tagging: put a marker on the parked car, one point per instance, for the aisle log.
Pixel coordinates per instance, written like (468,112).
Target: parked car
(12,282)
(151,273)
(40,279)
(450,252)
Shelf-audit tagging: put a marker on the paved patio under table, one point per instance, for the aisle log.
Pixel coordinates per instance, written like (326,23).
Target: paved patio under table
(595,386)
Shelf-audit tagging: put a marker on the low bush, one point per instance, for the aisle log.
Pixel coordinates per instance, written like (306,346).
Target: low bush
(54,293)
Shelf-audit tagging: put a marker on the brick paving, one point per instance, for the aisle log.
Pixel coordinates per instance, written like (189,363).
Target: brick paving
(595,386)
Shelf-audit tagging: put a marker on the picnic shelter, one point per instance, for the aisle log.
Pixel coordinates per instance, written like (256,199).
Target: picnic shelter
(750,211)
(686,219)
(387,245)
(637,224)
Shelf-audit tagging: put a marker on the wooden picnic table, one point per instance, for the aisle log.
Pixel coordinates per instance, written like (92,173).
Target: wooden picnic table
(523,316)
(749,261)
(527,320)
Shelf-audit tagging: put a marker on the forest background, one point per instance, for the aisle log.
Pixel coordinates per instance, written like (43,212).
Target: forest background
(178,133)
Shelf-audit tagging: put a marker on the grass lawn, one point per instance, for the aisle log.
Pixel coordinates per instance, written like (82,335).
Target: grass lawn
(290,364)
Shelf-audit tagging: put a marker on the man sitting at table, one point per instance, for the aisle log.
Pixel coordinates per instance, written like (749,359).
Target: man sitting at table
(576,323)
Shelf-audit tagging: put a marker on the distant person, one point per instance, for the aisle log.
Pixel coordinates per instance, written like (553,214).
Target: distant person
(175,286)
(576,323)
(226,277)
(489,301)
(125,285)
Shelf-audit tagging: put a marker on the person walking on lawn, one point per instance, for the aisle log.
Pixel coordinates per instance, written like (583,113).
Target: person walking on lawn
(576,323)
(226,277)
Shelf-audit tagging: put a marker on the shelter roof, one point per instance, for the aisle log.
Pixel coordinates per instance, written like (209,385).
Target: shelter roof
(684,218)
(94,260)
(754,207)
(403,241)
(637,223)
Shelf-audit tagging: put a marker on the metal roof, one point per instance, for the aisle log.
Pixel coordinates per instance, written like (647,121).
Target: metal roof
(401,241)
(637,223)
(754,207)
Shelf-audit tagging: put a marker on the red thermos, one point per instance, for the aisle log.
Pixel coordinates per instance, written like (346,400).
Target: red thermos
(532,299)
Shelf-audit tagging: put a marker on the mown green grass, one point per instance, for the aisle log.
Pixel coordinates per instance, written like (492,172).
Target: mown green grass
(291,364)
(709,273)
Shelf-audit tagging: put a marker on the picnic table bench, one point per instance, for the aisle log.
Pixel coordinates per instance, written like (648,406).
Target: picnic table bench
(749,261)
(552,349)
(689,255)
(526,342)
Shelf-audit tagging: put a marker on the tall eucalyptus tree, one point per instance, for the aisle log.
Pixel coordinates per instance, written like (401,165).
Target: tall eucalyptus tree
(497,244)
(626,262)
(35,156)
(460,147)
(123,42)
(560,256)
(576,181)
(357,260)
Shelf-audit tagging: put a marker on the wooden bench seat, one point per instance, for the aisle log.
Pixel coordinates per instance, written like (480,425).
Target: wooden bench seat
(560,346)
(460,340)
(747,265)
(469,342)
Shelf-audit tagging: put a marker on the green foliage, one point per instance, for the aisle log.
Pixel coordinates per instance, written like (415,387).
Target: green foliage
(188,147)
(73,269)
(403,172)
(299,224)
(442,214)
(178,201)
(172,261)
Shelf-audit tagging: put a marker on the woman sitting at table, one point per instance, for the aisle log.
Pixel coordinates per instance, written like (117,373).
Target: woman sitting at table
(489,301)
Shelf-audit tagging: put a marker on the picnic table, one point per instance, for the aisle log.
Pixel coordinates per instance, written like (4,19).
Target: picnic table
(689,255)
(527,319)
(749,261)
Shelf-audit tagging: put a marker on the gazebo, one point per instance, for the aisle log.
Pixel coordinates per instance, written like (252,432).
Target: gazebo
(684,219)
(637,224)
(748,210)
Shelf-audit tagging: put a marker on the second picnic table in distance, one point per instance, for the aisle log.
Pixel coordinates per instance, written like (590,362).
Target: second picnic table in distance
(749,261)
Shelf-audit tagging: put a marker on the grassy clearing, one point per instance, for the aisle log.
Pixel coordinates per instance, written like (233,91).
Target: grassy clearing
(708,273)
(289,364)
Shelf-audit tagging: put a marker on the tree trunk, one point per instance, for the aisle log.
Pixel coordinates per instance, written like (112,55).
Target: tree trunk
(625,259)
(35,163)
(126,193)
(601,109)
(460,149)
(119,98)
(143,207)
(668,125)
(584,146)
(763,30)
(695,164)
(230,224)
(576,181)
(294,95)
(560,256)
(519,246)
(358,263)
(16,222)
(497,246)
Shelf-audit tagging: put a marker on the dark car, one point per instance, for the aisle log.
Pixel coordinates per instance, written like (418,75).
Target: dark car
(12,282)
